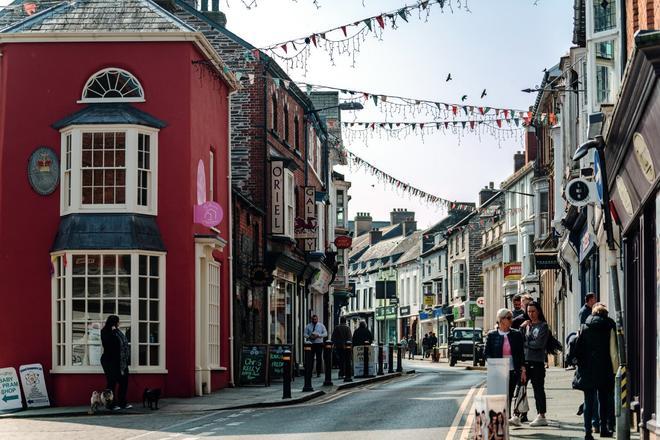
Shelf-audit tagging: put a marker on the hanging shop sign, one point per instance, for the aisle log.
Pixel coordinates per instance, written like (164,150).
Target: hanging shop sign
(306,227)
(546,260)
(10,390)
(587,243)
(458,312)
(207,213)
(277,197)
(343,241)
(43,171)
(437,313)
(34,385)
(429,300)
(475,310)
(512,271)
(405,310)
(321,279)
(386,312)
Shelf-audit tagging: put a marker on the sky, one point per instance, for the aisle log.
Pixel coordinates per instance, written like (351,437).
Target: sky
(499,45)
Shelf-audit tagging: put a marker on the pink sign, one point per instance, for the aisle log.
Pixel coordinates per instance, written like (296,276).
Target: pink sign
(206,213)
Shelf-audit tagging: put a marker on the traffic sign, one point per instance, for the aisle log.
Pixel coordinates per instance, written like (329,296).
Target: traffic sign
(481,302)
(598,177)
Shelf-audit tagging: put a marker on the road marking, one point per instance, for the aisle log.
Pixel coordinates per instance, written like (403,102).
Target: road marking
(234,415)
(235,423)
(459,414)
(175,425)
(470,418)
(206,433)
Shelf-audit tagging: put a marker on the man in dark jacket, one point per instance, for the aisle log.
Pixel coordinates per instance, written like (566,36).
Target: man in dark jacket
(340,335)
(519,318)
(425,345)
(362,335)
(596,366)
(585,311)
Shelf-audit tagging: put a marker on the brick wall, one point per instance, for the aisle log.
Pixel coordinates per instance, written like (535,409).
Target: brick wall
(640,15)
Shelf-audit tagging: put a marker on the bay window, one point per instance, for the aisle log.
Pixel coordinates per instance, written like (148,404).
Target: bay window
(88,287)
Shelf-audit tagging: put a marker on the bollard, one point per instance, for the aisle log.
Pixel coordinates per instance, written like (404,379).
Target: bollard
(390,358)
(327,358)
(308,360)
(436,356)
(366,360)
(348,362)
(286,388)
(399,367)
(380,359)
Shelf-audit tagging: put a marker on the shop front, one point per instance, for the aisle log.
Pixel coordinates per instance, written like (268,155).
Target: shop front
(632,156)
(386,319)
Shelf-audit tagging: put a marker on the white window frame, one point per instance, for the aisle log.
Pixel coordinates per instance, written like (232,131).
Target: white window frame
(102,72)
(213,310)
(67,281)
(289,203)
(131,164)
(320,222)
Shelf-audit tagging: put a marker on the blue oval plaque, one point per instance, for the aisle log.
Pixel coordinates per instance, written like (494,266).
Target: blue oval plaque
(43,171)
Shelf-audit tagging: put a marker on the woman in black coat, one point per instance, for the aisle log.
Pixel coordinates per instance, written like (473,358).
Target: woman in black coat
(596,364)
(505,339)
(115,360)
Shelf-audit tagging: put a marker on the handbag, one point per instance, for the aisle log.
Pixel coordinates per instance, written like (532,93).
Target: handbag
(520,404)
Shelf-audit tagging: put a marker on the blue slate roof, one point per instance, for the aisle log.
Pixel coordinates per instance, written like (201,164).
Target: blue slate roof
(108,232)
(111,113)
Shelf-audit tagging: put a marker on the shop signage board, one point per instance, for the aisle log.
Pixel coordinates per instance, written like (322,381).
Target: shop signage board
(276,361)
(10,390)
(34,385)
(386,312)
(43,171)
(475,310)
(343,241)
(405,310)
(546,260)
(277,196)
(254,365)
(437,312)
(358,360)
(429,300)
(512,271)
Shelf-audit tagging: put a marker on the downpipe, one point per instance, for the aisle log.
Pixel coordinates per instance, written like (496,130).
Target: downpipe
(621,401)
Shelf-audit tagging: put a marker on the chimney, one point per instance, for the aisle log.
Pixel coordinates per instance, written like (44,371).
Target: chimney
(409,226)
(486,193)
(375,236)
(531,145)
(363,223)
(401,215)
(214,13)
(518,161)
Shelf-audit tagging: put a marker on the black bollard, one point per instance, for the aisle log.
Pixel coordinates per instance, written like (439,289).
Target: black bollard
(348,362)
(366,360)
(380,359)
(436,357)
(286,388)
(390,358)
(308,360)
(399,367)
(327,358)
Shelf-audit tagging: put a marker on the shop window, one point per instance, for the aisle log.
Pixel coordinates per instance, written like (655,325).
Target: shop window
(109,169)
(87,288)
(604,15)
(213,274)
(281,297)
(604,51)
(340,208)
(289,203)
(112,85)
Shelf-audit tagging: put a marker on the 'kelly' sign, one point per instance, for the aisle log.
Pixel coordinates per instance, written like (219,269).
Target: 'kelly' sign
(277,197)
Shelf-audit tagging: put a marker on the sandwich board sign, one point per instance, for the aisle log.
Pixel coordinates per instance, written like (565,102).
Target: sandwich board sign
(34,385)
(10,390)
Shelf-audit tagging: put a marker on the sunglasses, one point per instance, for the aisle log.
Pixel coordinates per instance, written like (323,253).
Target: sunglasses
(508,317)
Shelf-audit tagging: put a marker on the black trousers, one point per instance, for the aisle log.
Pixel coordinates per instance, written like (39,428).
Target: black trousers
(514,379)
(603,395)
(536,375)
(317,352)
(113,380)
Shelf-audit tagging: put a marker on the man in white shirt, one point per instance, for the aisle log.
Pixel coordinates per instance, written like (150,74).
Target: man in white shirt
(315,332)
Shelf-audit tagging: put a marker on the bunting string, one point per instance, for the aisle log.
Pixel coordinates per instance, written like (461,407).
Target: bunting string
(404,187)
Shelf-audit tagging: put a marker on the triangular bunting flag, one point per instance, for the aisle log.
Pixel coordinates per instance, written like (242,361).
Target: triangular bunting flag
(343,29)
(313,37)
(375,98)
(403,14)
(286,83)
(499,123)
(284,48)
(381,21)
(368,23)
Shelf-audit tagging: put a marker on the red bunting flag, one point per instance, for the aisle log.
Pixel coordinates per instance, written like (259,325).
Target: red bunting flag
(472,124)
(481,110)
(499,123)
(284,48)
(381,21)
(343,28)
(313,37)
(506,114)
(454,109)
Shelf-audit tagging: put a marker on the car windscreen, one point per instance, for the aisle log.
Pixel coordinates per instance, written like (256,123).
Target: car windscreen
(465,335)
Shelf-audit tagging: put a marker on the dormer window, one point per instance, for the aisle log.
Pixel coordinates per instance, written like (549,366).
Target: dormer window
(112,85)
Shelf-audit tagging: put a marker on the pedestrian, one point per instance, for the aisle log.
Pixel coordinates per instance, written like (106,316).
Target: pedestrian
(517,306)
(585,312)
(340,336)
(425,346)
(115,360)
(315,333)
(522,316)
(433,341)
(536,333)
(412,348)
(505,342)
(597,358)
(362,336)
(403,343)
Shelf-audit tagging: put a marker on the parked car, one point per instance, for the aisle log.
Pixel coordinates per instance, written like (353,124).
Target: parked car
(461,340)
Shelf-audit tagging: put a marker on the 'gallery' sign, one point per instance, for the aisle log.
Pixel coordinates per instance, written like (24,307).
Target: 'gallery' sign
(277,197)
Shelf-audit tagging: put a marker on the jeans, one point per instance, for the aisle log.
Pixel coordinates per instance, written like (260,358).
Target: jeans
(114,378)
(317,352)
(536,375)
(596,398)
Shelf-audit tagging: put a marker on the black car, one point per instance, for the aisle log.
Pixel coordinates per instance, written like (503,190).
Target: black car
(460,345)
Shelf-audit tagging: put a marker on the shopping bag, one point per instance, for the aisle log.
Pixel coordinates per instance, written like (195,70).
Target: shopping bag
(520,404)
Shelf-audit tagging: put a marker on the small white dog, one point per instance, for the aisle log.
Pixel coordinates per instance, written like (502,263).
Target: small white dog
(100,399)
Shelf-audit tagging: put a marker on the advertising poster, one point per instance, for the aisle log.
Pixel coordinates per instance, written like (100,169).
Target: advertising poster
(358,360)
(10,390)
(491,419)
(34,385)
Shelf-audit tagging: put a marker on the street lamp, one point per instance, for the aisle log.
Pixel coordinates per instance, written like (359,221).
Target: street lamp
(598,143)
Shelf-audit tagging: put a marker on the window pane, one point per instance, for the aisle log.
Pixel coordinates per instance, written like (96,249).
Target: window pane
(94,310)
(78,287)
(143,287)
(78,264)
(78,332)
(109,287)
(120,194)
(78,355)
(124,310)
(143,332)
(109,307)
(153,354)
(86,159)
(78,309)
(153,310)
(153,288)
(143,310)
(124,287)
(143,355)
(87,141)
(93,264)
(153,266)
(94,287)
(109,264)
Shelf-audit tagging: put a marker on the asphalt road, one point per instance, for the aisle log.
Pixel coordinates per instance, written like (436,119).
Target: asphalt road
(428,404)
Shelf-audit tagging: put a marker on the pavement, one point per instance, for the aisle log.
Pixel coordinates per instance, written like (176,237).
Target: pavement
(227,398)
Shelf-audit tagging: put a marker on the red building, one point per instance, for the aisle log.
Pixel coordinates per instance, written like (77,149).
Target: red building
(113,115)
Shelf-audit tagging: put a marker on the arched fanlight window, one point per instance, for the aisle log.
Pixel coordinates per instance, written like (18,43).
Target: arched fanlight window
(113,85)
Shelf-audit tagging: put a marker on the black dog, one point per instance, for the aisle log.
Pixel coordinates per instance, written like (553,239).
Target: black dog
(151,396)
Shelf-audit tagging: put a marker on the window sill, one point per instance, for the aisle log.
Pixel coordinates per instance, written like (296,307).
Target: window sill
(99,370)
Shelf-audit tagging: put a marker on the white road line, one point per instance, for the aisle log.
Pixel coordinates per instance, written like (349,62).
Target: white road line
(235,423)
(195,428)
(459,414)
(470,418)
(175,425)
(234,415)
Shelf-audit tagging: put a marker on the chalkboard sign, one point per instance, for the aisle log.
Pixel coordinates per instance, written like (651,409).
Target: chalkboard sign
(254,365)
(275,361)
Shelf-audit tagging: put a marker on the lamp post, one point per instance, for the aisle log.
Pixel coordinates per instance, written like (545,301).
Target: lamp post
(622,422)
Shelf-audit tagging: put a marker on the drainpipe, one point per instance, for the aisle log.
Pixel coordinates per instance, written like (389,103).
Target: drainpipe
(231,245)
